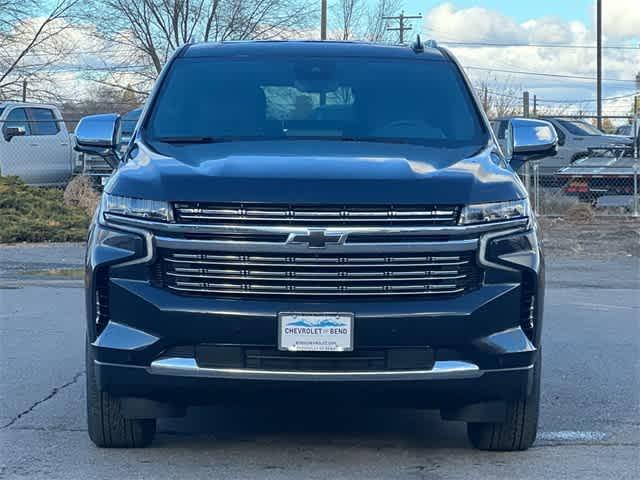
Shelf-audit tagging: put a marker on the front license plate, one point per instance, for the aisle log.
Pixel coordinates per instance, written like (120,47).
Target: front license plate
(315,332)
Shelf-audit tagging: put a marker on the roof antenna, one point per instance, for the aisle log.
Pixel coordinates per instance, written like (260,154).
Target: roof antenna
(418,46)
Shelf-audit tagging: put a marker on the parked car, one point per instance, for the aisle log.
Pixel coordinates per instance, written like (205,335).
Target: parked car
(248,250)
(575,137)
(35,144)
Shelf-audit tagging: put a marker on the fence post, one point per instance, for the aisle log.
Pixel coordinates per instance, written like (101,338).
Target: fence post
(636,199)
(536,188)
(527,180)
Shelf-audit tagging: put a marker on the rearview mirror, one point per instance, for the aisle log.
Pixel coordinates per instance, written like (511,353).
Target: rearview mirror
(530,139)
(98,135)
(11,132)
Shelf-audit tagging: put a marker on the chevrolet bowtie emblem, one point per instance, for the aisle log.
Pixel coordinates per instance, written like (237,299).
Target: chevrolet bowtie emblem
(316,238)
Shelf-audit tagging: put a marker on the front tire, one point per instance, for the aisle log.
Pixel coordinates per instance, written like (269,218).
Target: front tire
(107,427)
(519,430)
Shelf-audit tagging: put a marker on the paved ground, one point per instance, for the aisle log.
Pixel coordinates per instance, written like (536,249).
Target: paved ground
(590,420)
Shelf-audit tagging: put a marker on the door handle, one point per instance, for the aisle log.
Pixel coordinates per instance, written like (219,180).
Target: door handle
(34,145)
(64,144)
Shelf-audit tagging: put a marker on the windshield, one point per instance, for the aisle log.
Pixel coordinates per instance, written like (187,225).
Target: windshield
(579,128)
(366,99)
(1,110)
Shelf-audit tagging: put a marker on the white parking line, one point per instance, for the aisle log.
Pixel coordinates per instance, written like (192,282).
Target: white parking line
(571,436)
(601,306)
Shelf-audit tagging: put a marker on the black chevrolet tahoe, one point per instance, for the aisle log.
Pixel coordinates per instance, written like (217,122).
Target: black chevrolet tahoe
(296,222)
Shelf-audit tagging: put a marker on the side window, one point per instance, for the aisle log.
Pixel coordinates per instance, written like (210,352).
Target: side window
(43,122)
(17,118)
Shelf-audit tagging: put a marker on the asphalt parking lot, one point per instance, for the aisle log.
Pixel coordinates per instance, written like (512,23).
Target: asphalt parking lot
(590,417)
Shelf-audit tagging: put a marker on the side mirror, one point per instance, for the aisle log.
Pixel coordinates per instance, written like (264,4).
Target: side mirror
(98,135)
(11,132)
(530,139)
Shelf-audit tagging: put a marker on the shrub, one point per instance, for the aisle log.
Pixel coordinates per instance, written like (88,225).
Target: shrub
(38,214)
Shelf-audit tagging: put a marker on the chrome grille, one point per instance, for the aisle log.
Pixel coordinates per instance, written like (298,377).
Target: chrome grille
(316,216)
(426,274)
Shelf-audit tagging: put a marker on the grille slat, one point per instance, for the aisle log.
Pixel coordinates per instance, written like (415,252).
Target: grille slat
(318,263)
(375,215)
(295,278)
(317,274)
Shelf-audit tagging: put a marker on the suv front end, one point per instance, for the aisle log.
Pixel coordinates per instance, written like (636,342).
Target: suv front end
(429,296)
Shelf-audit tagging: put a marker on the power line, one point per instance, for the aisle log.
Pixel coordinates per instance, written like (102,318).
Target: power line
(592,100)
(577,100)
(538,74)
(538,45)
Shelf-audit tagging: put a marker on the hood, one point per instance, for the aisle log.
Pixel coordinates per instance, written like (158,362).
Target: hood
(316,172)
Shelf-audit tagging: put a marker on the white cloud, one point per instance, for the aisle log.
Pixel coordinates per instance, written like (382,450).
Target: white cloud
(448,23)
(473,24)
(621,19)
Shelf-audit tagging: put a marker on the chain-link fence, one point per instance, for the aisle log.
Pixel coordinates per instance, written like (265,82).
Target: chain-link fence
(37,145)
(601,185)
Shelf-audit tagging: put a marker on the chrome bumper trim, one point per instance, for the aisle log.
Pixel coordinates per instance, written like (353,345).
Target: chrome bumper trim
(289,229)
(187,367)
(261,247)
(117,336)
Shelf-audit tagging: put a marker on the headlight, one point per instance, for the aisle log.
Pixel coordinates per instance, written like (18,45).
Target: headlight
(137,208)
(494,212)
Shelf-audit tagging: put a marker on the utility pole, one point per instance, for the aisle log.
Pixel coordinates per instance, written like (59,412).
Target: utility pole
(323,20)
(402,26)
(24,90)
(599,63)
(535,105)
(525,104)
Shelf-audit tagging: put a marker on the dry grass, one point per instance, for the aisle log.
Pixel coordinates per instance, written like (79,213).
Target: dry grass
(602,237)
(80,192)
(580,213)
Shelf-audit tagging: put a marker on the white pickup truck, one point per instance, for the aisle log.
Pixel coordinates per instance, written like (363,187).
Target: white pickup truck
(35,144)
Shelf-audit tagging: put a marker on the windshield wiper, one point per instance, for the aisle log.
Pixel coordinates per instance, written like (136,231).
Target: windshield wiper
(187,139)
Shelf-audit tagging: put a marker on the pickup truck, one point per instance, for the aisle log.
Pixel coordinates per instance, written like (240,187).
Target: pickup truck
(35,144)
(249,250)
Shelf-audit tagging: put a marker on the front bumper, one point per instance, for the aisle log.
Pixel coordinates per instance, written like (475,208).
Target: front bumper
(480,348)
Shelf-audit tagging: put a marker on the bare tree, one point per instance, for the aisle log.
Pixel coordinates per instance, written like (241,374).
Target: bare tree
(376,24)
(147,31)
(500,98)
(29,34)
(348,18)
(358,19)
